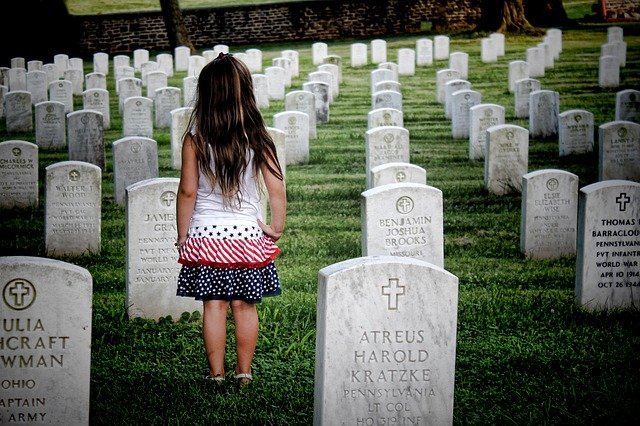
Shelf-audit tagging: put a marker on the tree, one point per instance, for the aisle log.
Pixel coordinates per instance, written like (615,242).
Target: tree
(521,15)
(176,27)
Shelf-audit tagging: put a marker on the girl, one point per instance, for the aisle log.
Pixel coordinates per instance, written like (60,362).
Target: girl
(226,250)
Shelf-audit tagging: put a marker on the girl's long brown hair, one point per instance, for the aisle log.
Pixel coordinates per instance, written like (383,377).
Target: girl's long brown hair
(228,126)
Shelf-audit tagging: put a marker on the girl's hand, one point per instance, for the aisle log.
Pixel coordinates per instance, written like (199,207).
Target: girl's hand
(269,232)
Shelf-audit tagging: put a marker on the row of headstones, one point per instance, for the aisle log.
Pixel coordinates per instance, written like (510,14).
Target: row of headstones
(395,361)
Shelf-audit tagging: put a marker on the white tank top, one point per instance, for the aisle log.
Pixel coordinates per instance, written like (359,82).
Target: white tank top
(209,208)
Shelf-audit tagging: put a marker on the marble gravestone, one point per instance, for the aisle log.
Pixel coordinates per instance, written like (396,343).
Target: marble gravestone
(575,132)
(385,144)
(137,117)
(608,254)
(18,111)
(46,341)
(549,214)
(135,158)
(303,101)
(628,105)
(179,123)
(73,194)
(506,158)
(85,136)
(152,266)
(385,117)
(18,174)
(619,151)
(385,343)
(481,117)
(51,125)
(544,108)
(403,219)
(295,124)
(397,173)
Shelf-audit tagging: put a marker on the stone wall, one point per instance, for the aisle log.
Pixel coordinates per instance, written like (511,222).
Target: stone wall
(620,10)
(308,20)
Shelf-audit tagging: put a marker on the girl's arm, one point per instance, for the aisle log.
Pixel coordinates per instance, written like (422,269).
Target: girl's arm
(187,188)
(277,204)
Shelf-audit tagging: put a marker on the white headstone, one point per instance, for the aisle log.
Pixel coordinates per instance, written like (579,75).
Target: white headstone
(124,72)
(95,80)
(449,88)
(181,55)
(18,174)
(628,105)
(459,61)
(389,173)
(179,122)
(85,137)
(137,117)
(378,75)
(46,313)
(37,86)
(51,125)
(521,95)
(76,77)
(385,144)
(295,125)
(517,71)
(481,117)
(609,72)
(549,214)
(386,99)
(575,132)
(61,91)
(195,65)
(378,51)
(189,87)
(279,140)
(536,61)
(260,90)
(321,92)
(275,82)
(165,63)
(607,261)
(387,85)
(156,80)
(98,100)
(61,60)
(442,78)
(140,56)
(440,47)
(498,42)
(152,269)
(506,158)
(17,79)
(403,219)
(254,60)
(461,103)
(424,51)
(488,50)
(166,100)
(73,194)
(406,61)
(101,63)
(135,158)
(318,51)
(303,101)
(619,151)
(544,108)
(385,117)
(129,87)
(18,111)
(396,358)
(359,55)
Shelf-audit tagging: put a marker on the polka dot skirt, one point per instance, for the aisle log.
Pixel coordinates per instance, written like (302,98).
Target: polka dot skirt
(228,263)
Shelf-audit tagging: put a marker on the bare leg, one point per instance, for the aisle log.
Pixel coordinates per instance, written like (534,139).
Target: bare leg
(245,316)
(214,332)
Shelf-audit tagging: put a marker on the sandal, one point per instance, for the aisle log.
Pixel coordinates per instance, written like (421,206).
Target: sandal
(244,378)
(217,379)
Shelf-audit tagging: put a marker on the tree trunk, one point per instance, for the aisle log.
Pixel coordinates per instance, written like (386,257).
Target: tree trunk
(506,16)
(176,28)
(547,13)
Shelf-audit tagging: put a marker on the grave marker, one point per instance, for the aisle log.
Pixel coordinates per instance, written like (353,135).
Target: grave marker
(152,267)
(18,174)
(46,312)
(619,151)
(388,173)
(607,261)
(385,144)
(135,158)
(403,219)
(481,117)
(575,132)
(73,200)
(549,214)
(506,158)
(395,362)
(51,126)
(85,136)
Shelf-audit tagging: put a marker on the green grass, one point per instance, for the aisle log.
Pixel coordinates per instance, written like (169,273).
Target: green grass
(526,354)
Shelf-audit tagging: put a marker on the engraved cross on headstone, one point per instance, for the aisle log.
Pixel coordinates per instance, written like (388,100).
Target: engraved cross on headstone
(622,201)
(167,198)
(19,290)
(393,290)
